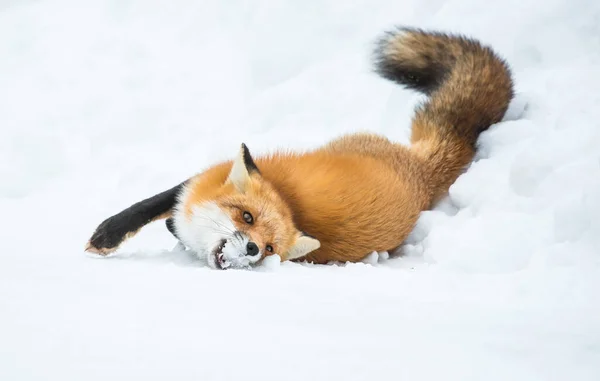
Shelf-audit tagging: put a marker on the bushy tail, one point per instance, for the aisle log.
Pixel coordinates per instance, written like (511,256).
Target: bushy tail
(469,89)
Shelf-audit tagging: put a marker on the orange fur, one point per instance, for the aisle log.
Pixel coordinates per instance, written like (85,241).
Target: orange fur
(353,204)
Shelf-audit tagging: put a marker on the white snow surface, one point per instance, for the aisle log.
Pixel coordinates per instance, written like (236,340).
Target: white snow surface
(106,102)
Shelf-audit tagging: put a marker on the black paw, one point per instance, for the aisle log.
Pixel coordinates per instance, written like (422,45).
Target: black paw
(108,236)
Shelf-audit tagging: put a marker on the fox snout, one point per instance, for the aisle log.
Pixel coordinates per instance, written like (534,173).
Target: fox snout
(235,252)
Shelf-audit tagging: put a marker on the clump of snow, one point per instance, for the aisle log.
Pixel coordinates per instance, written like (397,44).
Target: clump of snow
(371,258)
(103,103)
(376,257)
(233,258)
(271,262)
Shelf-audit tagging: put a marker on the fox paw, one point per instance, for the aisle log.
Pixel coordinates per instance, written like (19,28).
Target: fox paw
(107,237)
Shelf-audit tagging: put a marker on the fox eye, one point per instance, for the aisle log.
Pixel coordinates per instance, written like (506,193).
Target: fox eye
(248,217)
(269,248)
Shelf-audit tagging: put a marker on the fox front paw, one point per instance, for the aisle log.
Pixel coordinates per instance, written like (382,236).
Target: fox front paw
(107,237)
(89,247)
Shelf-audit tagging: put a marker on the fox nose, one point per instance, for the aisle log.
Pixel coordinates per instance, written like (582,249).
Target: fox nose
(251,249)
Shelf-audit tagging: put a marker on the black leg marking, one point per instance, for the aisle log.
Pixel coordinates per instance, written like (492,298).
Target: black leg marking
(114,230)
(171,227)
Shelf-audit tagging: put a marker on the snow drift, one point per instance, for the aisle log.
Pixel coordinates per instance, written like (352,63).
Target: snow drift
(104,102)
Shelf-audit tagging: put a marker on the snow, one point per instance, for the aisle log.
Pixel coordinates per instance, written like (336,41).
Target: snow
(103,103)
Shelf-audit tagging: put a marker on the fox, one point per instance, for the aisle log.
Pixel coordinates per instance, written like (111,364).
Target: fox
(355,194)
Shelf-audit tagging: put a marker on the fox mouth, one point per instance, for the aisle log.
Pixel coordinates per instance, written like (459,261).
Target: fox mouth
(218,257)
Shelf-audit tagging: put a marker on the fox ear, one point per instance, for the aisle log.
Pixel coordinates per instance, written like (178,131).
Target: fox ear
(243,167)
(304,244)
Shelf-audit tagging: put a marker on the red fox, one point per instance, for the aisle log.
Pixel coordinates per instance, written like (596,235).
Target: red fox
(357,194)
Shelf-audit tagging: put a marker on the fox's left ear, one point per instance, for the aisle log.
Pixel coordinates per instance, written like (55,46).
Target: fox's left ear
(243,167)
(304,244)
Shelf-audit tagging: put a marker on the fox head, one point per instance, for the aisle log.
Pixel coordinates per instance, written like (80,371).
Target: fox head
(244,221)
